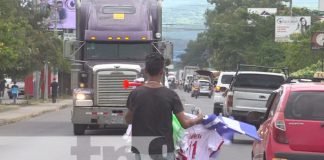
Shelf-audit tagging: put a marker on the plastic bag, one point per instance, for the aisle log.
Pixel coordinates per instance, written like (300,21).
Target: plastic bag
(178,131)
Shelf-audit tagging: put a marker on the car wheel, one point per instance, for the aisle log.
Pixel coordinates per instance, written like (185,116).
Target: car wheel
(79,129)
(209,96)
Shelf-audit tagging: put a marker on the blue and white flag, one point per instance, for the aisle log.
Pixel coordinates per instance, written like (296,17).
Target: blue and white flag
(225,125)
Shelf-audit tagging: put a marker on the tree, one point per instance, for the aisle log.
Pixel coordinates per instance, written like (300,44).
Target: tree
(196,52)
(24,43)
(235,36)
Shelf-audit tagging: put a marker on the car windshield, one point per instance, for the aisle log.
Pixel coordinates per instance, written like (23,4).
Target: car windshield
(226,79)
(258,81)
(305,106)
(100,51)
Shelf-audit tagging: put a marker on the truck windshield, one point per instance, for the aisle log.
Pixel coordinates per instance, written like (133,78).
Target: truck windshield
(227,79)
(126,51)
(258,81)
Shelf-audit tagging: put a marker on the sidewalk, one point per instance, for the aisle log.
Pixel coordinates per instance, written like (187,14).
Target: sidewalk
(28,111)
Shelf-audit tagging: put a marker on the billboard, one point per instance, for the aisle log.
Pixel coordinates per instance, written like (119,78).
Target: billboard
(317,40)
(286,26)
(62,14)
(262,11)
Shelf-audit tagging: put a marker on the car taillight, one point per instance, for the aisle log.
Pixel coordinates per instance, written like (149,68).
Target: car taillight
(279,130)
(229,101)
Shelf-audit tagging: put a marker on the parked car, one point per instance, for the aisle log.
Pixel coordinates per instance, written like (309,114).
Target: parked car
(293,126)
(249,92)
(21,86)
(221,86)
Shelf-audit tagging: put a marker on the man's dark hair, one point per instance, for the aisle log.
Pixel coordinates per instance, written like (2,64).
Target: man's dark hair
(154,64)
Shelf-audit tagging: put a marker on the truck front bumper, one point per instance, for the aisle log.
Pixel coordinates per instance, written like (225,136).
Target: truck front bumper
(102,116)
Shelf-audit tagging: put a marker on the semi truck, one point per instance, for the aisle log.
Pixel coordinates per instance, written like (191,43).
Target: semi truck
(113,37)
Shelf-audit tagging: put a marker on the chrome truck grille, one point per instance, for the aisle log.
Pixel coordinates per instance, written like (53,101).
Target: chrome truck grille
(110,91)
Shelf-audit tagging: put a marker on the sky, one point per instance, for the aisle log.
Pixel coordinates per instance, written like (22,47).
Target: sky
(311,4)
(182,21)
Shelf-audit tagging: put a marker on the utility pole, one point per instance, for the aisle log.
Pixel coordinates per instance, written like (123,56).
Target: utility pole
(290,7)
(322,58)
(46,80)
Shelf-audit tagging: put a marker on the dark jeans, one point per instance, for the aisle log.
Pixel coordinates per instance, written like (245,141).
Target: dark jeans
(54,98)
(14,96)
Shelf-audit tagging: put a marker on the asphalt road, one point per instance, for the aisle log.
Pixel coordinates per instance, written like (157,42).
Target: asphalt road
(50,137)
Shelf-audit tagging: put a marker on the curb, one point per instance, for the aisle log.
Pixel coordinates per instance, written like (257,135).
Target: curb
(31,115)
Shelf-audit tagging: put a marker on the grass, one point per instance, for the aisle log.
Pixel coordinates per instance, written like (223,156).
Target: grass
(4,108)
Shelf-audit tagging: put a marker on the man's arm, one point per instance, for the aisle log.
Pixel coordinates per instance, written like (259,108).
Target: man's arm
(129,117)
(186,122)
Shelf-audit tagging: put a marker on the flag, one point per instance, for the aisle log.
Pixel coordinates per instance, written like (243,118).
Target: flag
(225,126)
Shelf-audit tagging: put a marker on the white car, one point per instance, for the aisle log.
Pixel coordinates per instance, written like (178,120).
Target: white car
(205,88)
(223,82)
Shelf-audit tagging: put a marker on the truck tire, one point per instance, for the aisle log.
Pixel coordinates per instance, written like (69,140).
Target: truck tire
(79,129)
(217,110)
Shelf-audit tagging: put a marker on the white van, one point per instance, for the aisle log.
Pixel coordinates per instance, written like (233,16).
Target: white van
(223,82)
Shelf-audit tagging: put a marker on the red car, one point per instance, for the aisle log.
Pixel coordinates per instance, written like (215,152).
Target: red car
(293,126)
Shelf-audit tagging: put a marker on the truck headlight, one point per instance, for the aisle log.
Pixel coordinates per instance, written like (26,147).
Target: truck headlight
(80,96)
(158,35)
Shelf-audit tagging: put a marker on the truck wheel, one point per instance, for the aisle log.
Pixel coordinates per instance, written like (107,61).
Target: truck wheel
(79,129)
(217,110)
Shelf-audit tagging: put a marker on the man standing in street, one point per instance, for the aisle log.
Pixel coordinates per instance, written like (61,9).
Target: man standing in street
(150,109)
(54,86)
(2,87)
(14,92)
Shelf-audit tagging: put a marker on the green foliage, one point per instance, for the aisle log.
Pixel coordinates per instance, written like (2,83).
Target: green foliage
(24,43)
(234,36)
(196,53)
(307,72)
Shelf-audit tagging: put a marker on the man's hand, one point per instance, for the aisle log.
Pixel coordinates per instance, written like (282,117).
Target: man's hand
(186,122)
(129,117)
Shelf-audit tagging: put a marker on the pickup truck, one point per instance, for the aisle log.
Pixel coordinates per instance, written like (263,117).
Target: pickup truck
(249,92)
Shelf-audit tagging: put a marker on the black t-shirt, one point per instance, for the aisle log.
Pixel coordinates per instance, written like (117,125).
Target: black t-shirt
(152,117)
(54,86)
